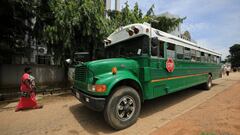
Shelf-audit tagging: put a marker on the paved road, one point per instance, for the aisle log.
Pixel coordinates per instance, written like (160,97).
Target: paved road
(65,115)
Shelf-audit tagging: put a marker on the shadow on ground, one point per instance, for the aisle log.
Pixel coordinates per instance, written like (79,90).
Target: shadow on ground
(94,123)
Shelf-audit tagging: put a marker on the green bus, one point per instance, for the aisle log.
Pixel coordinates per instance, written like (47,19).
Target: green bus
(142,63)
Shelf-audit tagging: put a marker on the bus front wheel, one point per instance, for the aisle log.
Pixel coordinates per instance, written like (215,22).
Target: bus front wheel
(207,85)
(123,108)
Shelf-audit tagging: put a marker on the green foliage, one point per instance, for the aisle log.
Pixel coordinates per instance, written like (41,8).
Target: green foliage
(16,22)
(128,16)
(67,26)
(165,24)
(16,28)
(78,25)
(235,55)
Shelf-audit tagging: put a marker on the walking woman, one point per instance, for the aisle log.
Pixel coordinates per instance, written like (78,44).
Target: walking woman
(228,69)
(27,88)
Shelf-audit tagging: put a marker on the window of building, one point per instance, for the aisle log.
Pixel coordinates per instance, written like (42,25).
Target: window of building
(170,50)
(179,52)
(187,53)
(43,59)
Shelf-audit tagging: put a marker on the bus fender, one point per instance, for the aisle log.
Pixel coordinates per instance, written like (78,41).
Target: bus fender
(113,79)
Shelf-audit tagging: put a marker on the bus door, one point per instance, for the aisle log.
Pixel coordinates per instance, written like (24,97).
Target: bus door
(157,68)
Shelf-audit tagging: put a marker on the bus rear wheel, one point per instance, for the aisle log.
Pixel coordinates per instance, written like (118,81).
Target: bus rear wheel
(207,85)
(123,108)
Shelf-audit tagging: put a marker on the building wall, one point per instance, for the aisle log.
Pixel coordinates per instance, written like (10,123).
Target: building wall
(117,5)
(112,4)
(49,76)
(107,4)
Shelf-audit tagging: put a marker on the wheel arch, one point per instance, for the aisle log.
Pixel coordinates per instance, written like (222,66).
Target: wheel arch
(131,83)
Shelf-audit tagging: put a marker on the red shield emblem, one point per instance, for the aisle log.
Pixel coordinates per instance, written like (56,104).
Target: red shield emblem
(170,65)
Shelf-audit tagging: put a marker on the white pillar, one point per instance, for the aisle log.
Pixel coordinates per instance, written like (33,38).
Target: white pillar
(117,5)
(108,4)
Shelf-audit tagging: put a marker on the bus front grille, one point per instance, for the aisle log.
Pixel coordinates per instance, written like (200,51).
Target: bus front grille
(81,73)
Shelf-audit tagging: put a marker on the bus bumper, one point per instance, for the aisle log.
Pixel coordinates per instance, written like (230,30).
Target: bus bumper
(94,103)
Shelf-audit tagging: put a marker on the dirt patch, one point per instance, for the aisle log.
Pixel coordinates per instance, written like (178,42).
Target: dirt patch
(219,115)
(64,115)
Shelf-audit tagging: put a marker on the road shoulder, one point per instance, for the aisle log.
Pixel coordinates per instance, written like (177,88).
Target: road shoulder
(218,115)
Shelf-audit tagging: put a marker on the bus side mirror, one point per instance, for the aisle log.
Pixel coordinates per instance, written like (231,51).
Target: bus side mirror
(154,42)
(68,61)
(139,51)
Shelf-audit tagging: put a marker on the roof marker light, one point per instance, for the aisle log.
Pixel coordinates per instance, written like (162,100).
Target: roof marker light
(107,41)
(130,32)
(147,30)
(135,29)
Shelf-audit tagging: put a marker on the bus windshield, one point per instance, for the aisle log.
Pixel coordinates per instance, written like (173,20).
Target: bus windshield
(129,48)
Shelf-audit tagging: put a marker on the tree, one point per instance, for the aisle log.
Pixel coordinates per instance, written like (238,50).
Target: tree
(187,35)
(235,55)
(128,16)
(16,27)
(78,25)
(165,24)
(66,26)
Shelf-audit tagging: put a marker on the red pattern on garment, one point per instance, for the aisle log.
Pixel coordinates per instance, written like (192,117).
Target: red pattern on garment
(23,86)
(26,102)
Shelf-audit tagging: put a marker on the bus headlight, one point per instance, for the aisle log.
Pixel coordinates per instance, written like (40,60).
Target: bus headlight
(97,88)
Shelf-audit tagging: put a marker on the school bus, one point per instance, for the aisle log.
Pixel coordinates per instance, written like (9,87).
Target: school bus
(142,63)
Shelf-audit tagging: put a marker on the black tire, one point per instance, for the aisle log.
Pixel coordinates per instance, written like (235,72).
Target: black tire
(207,85)
(123,108)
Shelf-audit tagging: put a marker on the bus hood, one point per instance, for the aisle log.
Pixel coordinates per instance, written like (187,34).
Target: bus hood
(103,66)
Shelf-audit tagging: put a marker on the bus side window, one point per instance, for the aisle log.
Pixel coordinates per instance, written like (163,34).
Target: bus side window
(154,46)
(170,50)
(209,58)
(198,55)
(212,58)
(161,49)
(154,50)
(193,55)
(202,57)
(206,57)
(187,55)
(218,59)
(179,52)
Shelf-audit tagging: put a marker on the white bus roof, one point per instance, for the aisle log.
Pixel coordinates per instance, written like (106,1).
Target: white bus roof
(121,34)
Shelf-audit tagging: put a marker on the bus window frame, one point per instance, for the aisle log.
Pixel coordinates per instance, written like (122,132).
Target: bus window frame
(158,50)
(186,48)
(167,43)
(198,59)
(179,53)
(193,54)
(203,56)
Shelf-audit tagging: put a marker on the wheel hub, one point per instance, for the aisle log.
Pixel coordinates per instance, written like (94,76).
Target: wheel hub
(125,108)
